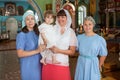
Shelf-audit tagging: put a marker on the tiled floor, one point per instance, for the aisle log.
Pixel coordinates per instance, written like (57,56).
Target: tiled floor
(9,64)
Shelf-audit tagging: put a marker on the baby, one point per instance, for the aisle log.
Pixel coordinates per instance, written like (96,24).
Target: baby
(47,36)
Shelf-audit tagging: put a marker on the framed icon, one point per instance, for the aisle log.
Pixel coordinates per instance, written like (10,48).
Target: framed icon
(48,6)
(10,9)
(57,5)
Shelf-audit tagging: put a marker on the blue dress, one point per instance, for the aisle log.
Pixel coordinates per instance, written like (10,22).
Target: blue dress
(89,47)
(30,67)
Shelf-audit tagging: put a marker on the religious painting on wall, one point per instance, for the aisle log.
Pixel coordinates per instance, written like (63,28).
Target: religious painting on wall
(92,7)
(70,7)
(20,10)
(56,6)
(10,9)
(48,6)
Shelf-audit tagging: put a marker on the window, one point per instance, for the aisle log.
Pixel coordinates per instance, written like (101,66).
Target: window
(81,14)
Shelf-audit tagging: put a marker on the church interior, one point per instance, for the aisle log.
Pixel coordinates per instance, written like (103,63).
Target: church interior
(105,12)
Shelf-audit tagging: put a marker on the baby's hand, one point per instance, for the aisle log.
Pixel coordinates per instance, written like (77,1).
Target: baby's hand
(54,49)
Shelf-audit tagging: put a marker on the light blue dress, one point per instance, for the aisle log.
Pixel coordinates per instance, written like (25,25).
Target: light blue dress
(89,47)
(30,67)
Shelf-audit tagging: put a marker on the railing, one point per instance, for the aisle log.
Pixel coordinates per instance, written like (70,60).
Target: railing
(4,36)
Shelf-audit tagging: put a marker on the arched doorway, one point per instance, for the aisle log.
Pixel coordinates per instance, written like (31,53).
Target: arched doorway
(12,27)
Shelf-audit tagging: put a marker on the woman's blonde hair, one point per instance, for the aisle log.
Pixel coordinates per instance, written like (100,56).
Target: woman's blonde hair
(89,18)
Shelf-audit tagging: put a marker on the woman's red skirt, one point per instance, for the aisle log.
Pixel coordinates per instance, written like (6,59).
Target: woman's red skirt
(55,72)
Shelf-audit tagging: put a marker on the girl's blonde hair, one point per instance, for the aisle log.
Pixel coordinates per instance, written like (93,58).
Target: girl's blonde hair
(48,12)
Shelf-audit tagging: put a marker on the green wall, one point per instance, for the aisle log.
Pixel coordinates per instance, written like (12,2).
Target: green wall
(42,3)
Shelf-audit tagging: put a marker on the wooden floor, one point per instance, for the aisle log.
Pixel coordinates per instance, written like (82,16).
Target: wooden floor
(109,75)
(114,75)
(9,64)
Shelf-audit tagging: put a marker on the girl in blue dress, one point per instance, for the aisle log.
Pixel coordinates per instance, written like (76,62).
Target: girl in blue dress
(90,46)
(27,48)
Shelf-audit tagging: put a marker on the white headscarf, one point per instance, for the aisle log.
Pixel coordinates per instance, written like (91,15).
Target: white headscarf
(27,13)
(69,20)
(37,18)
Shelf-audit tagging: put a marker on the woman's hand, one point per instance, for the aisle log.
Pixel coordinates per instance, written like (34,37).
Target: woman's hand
(23,53)
(100,67)
(69,51)
(54,49)
(101,62)
(41,47)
